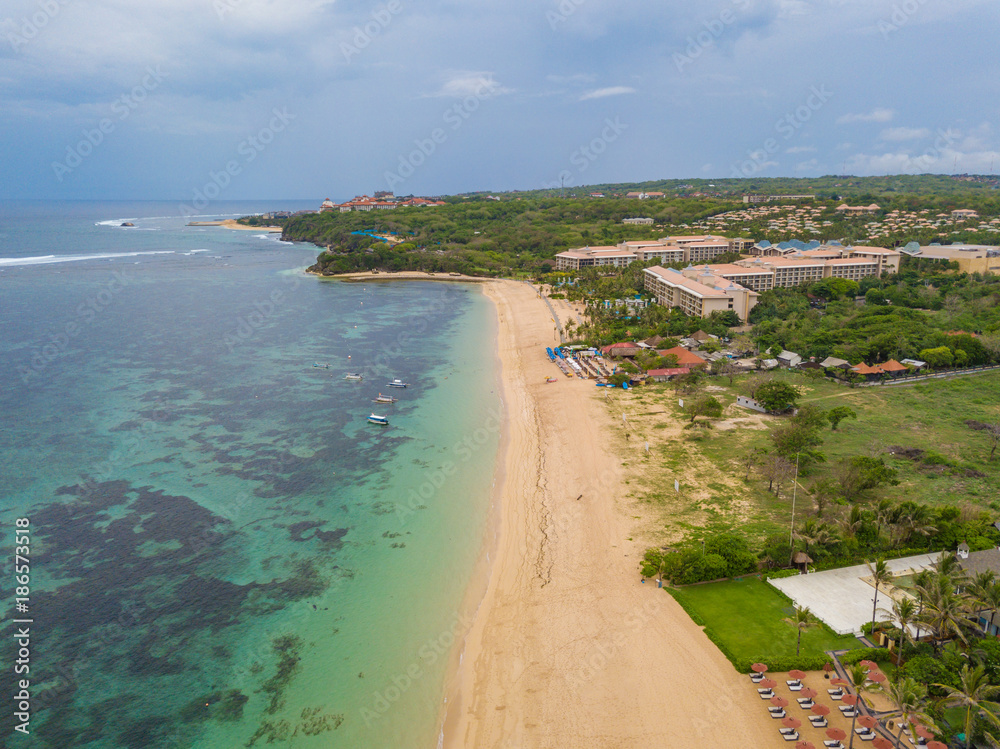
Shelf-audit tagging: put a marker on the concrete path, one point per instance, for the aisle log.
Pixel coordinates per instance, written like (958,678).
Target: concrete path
(841,597)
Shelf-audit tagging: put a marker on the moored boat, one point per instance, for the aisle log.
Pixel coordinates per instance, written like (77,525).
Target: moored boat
(320,366)
(385,399)
(355,377)
(397,383)
(376,419)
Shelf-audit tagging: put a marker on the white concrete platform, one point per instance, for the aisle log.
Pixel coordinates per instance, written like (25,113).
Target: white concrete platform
(841,598)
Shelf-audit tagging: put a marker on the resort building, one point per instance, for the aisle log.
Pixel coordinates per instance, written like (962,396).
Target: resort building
(639,221)
(699,296)
(589,257)
(857,210)
(971,258)
(383,201)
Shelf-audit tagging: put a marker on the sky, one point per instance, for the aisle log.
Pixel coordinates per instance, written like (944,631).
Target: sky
(303,99)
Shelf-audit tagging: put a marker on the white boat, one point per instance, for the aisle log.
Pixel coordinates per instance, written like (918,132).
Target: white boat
(385,399)
(355,377)
(376,419)
(397,383)
(321,366)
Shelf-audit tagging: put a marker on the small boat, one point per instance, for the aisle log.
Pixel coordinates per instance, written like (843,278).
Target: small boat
(397,383)
(551,379)
(355,377)
(385,399)
(376,419)
(320,366)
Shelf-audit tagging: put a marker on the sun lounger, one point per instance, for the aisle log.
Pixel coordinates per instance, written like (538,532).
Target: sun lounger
(832,744)
(795,687)
(755,677)
(761,690)
(790,736)
(838,691)
(839,696)
(867,736)
(821,722)
(780,714)
(794,683)
(846,708)
(786,730)
(774,709)
(806,704)
(765,695)
(848,713)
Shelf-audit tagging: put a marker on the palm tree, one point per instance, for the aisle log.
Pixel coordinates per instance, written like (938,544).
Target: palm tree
(801,619)
(880,576)
(910,698)
(921,581)
(944,611)
(975,696)
(989,598)
(857,675)
(904,611)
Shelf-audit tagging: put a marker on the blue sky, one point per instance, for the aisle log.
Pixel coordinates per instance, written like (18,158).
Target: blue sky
(240,99)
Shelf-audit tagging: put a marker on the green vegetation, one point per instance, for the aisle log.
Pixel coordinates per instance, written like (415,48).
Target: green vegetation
(746,620)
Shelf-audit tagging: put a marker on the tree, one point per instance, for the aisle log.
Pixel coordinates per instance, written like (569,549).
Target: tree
(776,396)
(726,367)
(798,437)
(976,696)
(861,475)
(704,405)
(838,414)
(993,435)
(776,469)
(802,618)
(936,358)
(904,611)
(910,698)
(880,576)
(751,459)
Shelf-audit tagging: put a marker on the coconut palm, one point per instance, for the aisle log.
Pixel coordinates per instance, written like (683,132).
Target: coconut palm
(975,695)
(944,611)
(989,599)
(921,581)
(904,612)
(801,619)
(910,698)
(857,676)
(880,576)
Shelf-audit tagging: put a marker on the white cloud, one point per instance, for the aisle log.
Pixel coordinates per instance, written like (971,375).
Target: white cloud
(807,166)
(879,114)
(471,83)
(904,133)
(800,149)
(610,91)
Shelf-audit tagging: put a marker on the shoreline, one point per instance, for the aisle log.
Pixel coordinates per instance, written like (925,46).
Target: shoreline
(231,223)
(403,275)
(566,646)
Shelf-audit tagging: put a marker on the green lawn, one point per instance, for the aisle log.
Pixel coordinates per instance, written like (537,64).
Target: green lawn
(744,617)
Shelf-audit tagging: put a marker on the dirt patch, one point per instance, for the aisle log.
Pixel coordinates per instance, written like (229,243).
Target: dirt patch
(913,453)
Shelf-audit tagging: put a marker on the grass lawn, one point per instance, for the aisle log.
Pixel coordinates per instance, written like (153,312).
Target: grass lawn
(745,618)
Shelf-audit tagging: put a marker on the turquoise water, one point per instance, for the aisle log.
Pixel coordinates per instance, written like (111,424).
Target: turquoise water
(225,553)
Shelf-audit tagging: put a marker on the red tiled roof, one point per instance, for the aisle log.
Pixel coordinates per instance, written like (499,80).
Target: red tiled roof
(864,369)
(684,357)
(892,366)
(670,371)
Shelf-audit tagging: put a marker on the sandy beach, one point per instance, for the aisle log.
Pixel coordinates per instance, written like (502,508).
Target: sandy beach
(568,648)
(231,223)
(403,275)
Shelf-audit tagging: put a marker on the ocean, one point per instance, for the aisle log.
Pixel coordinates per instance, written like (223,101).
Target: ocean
(223,551)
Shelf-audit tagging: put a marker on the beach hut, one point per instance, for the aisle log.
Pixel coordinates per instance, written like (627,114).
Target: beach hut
(621,350)
(663,375)
(870,373)
(788,359)
(685,358)
(893,368)
(832,362)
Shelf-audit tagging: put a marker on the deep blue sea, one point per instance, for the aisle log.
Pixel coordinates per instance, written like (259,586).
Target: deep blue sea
(223,551)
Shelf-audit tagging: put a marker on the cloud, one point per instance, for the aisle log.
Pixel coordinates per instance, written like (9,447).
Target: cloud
(904,133)
(800,149)
(610,91)
(879,114)
(468,83)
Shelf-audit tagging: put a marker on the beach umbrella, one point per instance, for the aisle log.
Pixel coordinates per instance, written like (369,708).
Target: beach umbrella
(758,668)
(821,709)
(838,682)
(868,664)
(850,699)
(868,721)
(828,667)
(877,676)
(808,693)
(805,745)
(791,722)
(796,674)
(922,732)
(881,742)
(837,734)
(767,684)
(779,701)
(936,745)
